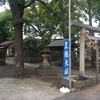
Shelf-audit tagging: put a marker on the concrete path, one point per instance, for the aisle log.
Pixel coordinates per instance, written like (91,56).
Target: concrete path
(35,89)
(58,69)
(92,93)
(27,89)
(26,65)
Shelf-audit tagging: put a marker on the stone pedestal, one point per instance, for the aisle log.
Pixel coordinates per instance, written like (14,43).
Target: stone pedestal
(45,69)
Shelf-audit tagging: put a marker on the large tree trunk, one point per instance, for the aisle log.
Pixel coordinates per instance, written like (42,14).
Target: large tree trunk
(18,61)
(17,12)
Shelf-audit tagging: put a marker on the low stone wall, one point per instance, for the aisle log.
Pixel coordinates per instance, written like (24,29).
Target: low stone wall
(81,84)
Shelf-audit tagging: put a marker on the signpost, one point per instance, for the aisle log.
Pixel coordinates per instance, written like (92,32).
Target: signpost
(65,71)
(67,57)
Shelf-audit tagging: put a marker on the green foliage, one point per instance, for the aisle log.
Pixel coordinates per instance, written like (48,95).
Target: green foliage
(30,44)
(44,42)
(21,20)
(46,19)
(6,30)
(37,25)
(90,9)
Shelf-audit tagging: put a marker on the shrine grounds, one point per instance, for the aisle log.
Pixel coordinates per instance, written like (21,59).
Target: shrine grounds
(34,87)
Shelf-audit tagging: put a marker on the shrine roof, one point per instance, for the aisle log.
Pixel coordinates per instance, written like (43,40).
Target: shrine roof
(60,43)
(56,43)
(6,44)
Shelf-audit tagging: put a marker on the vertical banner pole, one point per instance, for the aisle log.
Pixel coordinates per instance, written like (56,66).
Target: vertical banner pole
(65,71)
(67,57)
(69,44)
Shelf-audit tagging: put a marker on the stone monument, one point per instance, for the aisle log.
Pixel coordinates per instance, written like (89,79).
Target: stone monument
(45,69)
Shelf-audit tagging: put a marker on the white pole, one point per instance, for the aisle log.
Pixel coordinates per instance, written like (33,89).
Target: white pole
(70,44)
(65,89)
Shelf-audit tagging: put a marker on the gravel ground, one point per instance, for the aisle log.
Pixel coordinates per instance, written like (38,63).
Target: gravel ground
(32,87)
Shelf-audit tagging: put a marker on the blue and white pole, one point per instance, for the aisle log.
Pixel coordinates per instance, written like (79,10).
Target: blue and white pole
(67,57)
(65,71)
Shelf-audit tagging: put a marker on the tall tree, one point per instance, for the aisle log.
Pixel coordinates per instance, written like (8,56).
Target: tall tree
(17,8)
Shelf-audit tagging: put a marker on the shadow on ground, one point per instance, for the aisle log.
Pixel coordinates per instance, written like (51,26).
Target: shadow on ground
(6,71)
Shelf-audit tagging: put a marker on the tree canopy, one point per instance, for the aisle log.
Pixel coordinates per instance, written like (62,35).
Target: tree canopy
(50,18)
(6,29)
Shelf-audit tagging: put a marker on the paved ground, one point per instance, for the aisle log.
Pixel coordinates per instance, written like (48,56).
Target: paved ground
(34,87)
(92,93)
(27,89)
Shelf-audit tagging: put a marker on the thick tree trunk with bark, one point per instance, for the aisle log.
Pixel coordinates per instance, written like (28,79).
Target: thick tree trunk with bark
(17,9)
(18,61)
(17,12)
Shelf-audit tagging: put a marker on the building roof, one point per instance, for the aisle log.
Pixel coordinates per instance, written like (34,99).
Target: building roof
(56,43)
(6,44)
(60,43)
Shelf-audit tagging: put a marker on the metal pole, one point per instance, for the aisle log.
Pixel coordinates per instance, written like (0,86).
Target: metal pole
(70,44)
(97,63)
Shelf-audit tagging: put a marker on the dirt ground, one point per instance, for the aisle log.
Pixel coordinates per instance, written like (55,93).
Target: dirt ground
(31,87)
(6,71)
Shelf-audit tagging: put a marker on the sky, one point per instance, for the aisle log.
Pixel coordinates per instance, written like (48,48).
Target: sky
(6,6)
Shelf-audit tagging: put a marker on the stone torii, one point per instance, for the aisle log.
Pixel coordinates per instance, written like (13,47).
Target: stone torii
(88,27)
(82,44)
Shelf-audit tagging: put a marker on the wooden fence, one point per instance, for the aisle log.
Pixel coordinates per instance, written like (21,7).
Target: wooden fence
(2,57)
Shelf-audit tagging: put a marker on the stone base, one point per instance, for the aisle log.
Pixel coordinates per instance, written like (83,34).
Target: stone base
(81,84)
(45,71)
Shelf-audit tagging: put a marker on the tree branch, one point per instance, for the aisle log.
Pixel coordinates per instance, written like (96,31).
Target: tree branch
(27,5)
(48,8)
(35,28)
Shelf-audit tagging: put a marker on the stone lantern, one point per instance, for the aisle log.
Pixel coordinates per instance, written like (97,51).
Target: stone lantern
(45,68)
(45,55)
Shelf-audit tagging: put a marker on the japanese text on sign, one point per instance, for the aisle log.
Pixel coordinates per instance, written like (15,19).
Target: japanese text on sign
(65,71)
